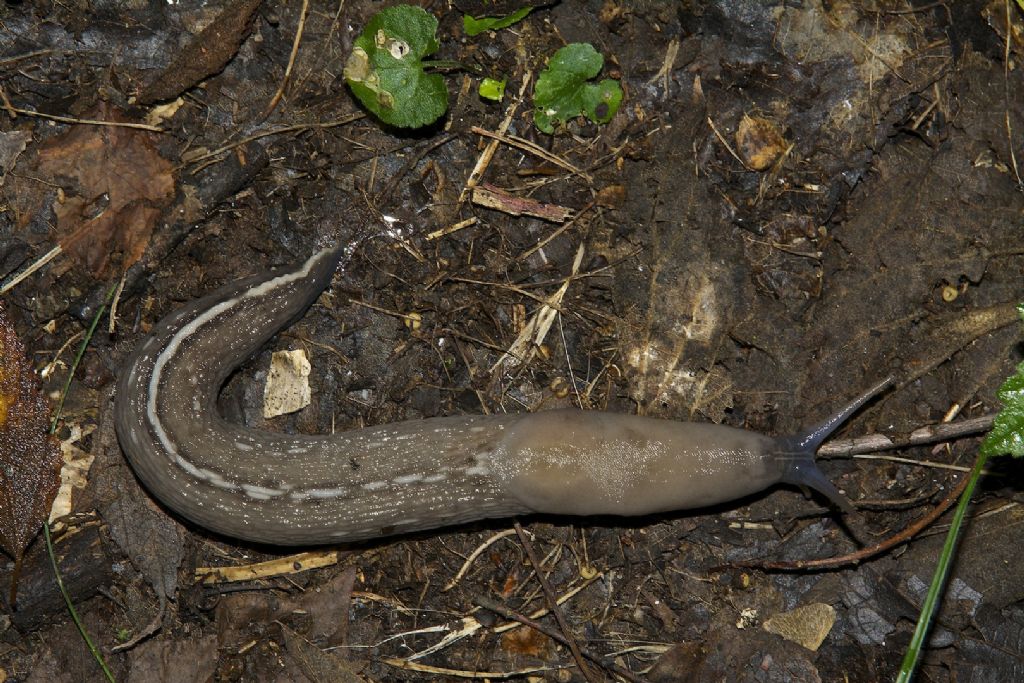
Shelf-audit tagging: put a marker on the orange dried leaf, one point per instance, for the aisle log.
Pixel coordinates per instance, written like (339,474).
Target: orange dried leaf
(759,142)
(526,642)
(29,457)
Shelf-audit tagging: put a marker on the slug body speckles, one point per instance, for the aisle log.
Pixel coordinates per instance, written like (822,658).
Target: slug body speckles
(628,465)
(278,488)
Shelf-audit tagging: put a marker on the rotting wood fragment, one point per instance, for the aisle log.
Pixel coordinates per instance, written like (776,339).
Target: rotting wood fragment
(207,54)
(493,198)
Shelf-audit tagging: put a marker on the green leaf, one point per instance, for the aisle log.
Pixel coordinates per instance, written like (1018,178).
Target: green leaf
(491,89)
(1007,435)
(563,90)
(474,27)
(385,69)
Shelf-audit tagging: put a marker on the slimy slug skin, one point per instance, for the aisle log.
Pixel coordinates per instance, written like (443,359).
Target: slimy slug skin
(295,490)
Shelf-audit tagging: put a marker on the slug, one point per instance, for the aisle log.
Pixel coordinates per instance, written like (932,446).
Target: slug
(290,489)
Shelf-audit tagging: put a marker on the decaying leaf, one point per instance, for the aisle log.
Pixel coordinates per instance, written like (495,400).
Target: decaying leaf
(115,185)
(29,457)
(12,144)
(526,642)
(680,327)
(386,71)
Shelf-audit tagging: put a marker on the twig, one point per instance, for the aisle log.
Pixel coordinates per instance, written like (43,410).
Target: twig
(276,131)
(490,197)
(39,263)
(549,594)
(23,57)
(864,553)
(291,62)
(455,227)
(472,558)
(871,443)
(562,228)
(918,463)
(470,625)
(1006,94)
(89,122)
(535,149)
(534,332)
(380,309)
(666,67)
(484,160)
(721,138)
(279,566)
(502,611)
(460,673)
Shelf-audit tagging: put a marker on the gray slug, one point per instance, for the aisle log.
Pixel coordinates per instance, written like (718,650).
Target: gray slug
(289,489)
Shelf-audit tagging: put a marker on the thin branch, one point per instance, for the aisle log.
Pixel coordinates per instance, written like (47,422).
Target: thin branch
(864,553)
(549,594)
(89,122)
(277,131)
(872,443)
(291,62)
(502,611)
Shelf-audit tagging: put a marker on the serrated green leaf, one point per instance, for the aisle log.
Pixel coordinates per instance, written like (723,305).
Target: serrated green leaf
(474,27)
(563,90)
(1007,435)
(385,70)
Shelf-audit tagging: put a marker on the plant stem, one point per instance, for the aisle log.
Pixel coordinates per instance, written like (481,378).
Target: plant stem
(931,601)
(97,655)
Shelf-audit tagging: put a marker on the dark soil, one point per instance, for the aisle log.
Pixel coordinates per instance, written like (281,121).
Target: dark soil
(869,224)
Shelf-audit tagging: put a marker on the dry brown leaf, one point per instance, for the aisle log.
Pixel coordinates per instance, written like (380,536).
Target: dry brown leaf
(115,185)
(29,457)
(287,389)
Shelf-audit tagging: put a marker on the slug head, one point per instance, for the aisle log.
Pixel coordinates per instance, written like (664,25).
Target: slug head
(800,469)
(797,452)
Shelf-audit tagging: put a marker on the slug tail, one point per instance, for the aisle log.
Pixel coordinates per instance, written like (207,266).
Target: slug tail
(799,450)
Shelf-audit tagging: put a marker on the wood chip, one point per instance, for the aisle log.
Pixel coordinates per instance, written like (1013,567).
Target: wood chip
(287,389)
(492,198)
(807,625)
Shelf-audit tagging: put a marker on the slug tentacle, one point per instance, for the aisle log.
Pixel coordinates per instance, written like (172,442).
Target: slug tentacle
(798,451)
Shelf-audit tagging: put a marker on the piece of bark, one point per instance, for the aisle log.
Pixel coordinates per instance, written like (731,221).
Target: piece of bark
(205,55)
(86,564)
